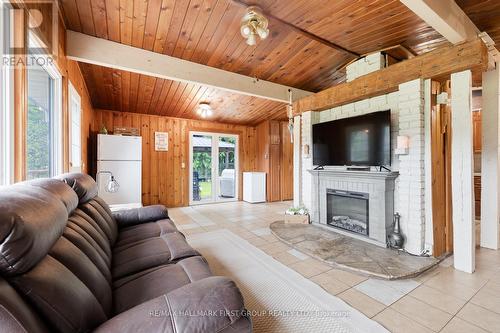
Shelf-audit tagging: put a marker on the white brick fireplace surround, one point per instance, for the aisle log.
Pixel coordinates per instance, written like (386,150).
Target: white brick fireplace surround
(407,118)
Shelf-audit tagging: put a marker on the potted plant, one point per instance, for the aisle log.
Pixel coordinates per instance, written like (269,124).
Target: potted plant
(297,215)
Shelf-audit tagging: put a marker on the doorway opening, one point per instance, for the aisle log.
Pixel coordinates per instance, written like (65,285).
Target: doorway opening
(213,167)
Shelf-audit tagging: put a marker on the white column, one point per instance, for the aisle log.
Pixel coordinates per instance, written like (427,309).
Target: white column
(462,172)
(297,162)
(490,160)
(307,162)
(429,235)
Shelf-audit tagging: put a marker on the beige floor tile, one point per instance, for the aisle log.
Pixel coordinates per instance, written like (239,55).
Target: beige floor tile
(481,317)
(351,279)
(274,248)
(488,297)
(270,238)
(286,258)
(330,284)
(457,325)
(447,284)
(309,267)
(422,313)
(438,299)
(398,323)
(362,302)
(257,241)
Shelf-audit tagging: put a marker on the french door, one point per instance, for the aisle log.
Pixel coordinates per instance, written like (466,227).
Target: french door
(213,167)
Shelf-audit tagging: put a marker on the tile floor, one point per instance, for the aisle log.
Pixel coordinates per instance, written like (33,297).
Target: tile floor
(440,300)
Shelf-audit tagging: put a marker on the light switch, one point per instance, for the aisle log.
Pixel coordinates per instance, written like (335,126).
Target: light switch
(183,165)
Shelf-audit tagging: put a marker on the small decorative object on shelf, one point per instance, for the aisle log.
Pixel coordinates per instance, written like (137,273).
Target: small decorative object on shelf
(126,131)
(103,130)
(297,215)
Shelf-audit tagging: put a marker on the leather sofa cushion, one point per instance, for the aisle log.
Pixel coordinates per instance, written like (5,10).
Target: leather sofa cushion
(98,210)
(216,294)
(57,188)
(146,285)
(60,297)
(31,221)
(130,217)
(144,231)
(84,185)
(151,252)
(15,314)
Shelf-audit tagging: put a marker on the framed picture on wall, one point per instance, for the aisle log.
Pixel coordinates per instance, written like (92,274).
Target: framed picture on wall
(161,141)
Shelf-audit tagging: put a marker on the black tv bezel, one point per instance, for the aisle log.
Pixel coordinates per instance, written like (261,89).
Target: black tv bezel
(389,111)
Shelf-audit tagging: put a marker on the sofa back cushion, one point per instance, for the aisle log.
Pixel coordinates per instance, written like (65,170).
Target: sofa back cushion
(32,218)
(93,206)
(56,256)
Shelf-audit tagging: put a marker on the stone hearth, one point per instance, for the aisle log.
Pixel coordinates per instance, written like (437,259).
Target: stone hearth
(351,254)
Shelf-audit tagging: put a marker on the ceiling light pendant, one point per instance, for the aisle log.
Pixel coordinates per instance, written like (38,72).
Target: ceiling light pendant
(254,24)
(204,110)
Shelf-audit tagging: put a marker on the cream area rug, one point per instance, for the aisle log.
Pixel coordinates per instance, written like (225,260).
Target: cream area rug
(278,298)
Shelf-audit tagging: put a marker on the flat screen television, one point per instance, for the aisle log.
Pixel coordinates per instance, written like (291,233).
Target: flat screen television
(357,141)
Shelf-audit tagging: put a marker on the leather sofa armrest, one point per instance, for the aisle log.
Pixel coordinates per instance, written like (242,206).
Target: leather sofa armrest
(213,304)
(130,217)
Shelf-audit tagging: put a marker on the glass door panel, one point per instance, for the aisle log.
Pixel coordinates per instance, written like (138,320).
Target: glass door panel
(227,167)
(213,167)
(202,186)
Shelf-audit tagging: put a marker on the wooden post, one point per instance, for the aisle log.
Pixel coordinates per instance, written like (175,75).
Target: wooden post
(297,161)
(462,172)
(490,161)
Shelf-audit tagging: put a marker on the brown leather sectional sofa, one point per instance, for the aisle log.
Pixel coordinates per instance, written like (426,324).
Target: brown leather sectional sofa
(68,264)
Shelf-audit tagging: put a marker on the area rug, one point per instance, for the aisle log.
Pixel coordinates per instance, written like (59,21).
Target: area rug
(278,298)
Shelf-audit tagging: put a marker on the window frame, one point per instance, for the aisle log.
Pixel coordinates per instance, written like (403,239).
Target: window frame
(74,95)
(56,163)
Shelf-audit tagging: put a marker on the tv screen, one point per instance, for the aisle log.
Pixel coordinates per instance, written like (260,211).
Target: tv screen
(363,140)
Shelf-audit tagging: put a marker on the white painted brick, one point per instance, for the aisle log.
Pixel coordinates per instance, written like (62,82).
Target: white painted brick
(362,105)
(346,109)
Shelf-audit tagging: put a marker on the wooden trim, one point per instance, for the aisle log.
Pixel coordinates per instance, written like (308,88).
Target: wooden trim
(471,55)
(20,98)
(103,52)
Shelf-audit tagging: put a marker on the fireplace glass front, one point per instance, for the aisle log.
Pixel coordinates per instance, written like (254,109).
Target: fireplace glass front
(347,210)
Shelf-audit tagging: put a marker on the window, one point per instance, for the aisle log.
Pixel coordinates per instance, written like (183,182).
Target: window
(43,144)
(75,111)
(6,107)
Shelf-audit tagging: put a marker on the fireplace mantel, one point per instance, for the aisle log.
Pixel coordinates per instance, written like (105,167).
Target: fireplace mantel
(378,185)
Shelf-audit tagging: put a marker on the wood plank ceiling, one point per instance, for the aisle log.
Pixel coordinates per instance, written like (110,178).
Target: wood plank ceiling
(485,14)
(207,32)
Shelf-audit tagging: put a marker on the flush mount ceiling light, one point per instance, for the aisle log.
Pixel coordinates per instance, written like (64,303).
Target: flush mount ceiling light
(254,24)
(204,110)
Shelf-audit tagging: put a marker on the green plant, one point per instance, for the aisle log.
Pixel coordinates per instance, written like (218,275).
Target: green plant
(297,211)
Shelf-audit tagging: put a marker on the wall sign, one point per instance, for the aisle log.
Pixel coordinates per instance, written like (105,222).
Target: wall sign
(161,141)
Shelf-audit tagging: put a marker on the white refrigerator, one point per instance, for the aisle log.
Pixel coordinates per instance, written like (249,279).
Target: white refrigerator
(122,156)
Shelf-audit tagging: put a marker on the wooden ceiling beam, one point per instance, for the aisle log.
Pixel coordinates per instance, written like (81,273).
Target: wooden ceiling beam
(446,17)
(103,52)
(471,55)
(304,32)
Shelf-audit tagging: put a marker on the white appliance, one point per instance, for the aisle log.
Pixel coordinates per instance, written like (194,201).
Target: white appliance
(254,187)
(122,156)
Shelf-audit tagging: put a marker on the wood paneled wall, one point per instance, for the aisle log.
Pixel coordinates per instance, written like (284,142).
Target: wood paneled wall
(275,158)
(165,175)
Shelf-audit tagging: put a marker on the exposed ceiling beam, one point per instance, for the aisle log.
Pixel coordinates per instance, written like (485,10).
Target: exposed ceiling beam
(102,52)
(303,32)
(471,55)
(446,17)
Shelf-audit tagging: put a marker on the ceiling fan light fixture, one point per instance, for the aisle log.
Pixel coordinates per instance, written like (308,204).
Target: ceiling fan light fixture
(252,39)
(254,24)
(204,110)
